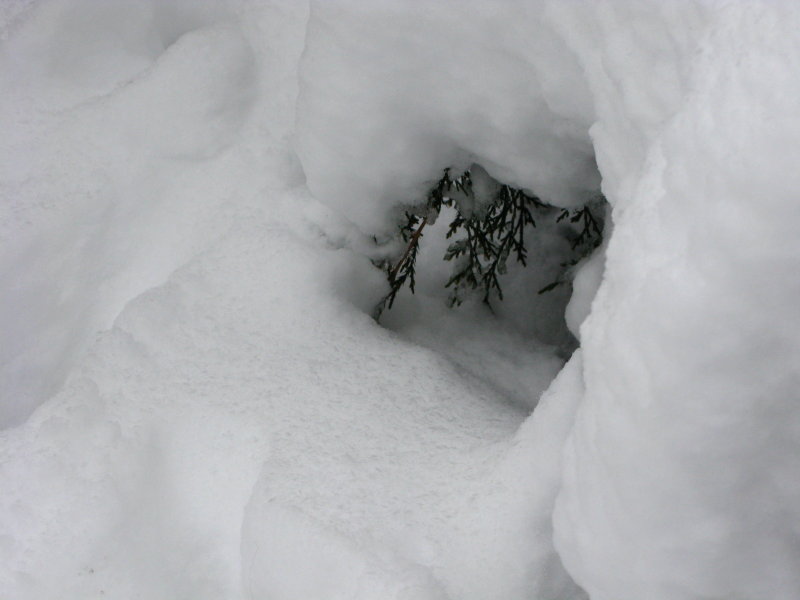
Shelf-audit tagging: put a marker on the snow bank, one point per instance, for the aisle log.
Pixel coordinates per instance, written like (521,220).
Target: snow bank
(196,402)
(101,199)
(680,472)
(210,399)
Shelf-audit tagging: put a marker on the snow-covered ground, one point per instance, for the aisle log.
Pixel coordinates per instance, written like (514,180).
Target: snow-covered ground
(196,403)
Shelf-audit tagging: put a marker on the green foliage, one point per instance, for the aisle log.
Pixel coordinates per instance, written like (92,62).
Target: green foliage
(589,237)
(486,232)
(486,239)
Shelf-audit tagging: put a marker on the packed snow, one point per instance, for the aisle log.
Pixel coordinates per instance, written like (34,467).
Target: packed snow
(196,401)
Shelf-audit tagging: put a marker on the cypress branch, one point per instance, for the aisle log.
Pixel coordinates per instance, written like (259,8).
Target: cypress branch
(485,237)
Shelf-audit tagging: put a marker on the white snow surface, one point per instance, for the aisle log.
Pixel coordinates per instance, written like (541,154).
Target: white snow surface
(194,399)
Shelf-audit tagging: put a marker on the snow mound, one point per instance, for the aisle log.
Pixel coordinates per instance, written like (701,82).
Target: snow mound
(680,472)
(195,402)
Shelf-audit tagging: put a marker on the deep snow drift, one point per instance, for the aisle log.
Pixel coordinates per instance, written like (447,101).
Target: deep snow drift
(196,403)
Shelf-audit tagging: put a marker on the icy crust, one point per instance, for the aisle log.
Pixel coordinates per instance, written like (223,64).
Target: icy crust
(680,477)
(391,93)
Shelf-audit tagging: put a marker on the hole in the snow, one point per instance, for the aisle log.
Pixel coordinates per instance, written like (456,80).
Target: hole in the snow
(482,272)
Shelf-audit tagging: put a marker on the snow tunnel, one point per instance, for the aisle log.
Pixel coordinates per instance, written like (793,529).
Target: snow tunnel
(663,107)
(380,116)
(195,398)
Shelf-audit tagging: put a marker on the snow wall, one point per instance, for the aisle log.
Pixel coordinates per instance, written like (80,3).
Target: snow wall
(161,176)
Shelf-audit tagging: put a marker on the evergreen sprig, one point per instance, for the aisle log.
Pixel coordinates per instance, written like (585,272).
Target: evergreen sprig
(492,235)
(589,237)
(404,269)
(591,231)
(485,237)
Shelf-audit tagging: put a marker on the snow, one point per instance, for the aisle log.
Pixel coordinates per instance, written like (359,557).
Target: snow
(196,403)
(411,87)
(680,470)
